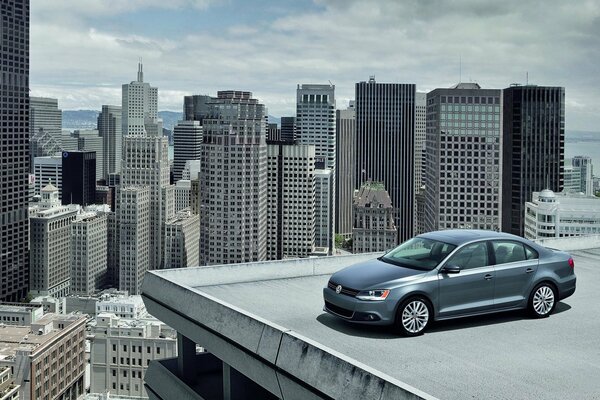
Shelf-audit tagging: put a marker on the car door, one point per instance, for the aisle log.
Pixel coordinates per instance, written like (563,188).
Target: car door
(472,289)
(515,266)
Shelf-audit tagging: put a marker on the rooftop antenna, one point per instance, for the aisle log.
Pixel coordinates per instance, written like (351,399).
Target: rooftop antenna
(140,74)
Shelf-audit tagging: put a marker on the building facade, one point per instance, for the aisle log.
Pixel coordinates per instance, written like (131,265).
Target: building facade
(554,215)
(182,234)
(233,181)
(19,313)
(533,142)
(48,170)
(324,210)
(187,138)
(14,152)
(45,115)
(89,253)
(291,200)
(139,106)
(50,244)
(121,351)
(373,213)
(288,129)
(182,194)
(110,128)
(89,140)
(385,141)
(345,123)
(78,177)
(463,171)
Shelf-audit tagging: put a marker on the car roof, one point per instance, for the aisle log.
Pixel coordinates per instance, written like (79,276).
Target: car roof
(460,236)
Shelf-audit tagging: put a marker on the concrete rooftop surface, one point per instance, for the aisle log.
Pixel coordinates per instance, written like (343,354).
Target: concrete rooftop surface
(497,356)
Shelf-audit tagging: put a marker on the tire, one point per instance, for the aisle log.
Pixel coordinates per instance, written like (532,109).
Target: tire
(413,316)
(542,300)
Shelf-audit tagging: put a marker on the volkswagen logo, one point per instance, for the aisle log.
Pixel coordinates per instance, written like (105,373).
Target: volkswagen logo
(338,289)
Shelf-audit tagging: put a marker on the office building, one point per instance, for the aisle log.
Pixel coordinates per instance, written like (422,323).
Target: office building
(133,216)
(89,140)
(385,140)
(111,130)
(48,170)
(50,363)
(420,132)
(78,177)
(182,234)
(8,389)
(50,225)
(291,200)
(191,169)
(187,138)
(462,172)
(324,210)
(273,132)
(533,143)
(584,165)
(89,253)
(233,166)
(14,152)
(346,161)
(195,196)
(139,112)
(182,194)
(195,107)
(554,215)
(373,213)
(46,116)
(121,351)
(20,313)
(288,129)
(121,305)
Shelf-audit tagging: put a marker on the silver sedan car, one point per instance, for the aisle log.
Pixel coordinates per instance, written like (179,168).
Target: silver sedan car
(451,274)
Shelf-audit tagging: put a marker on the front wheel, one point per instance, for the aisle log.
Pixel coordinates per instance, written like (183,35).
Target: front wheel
(413,316)
(542,300)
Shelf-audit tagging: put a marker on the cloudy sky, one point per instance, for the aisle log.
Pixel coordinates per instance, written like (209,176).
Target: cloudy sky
(83,50)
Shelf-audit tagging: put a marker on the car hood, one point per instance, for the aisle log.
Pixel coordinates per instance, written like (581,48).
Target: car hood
(368,274)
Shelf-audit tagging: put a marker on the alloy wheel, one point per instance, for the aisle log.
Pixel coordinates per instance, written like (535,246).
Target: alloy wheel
(543,300)
(415,316)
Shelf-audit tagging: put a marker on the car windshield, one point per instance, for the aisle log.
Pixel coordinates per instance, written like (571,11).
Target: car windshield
(419,253)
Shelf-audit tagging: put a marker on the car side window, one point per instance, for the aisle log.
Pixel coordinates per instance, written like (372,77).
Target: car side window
(508,252)
(471,256)
(530,253)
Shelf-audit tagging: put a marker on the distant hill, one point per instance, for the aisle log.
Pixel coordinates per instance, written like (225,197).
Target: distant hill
(88,119)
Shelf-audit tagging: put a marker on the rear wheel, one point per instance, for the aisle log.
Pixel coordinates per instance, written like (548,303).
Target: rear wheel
(542,300)
(413,316)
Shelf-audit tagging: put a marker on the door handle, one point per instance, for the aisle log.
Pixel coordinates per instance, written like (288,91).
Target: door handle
(529,270)
(487,277)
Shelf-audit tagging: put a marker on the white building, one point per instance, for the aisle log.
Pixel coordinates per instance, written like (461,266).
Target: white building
(291,200)
(133,216)
(182,235)
(187,140)
(139,105)
(191,170)
(324,209)
(373,229)
(88,253)
(122,349)
(48,170)
(182,192)
(553,215)
(20,314)
(420,132)
(50,236)
(90,140)
(579,175)
(123,306)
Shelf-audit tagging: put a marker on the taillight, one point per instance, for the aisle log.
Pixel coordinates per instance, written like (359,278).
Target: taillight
(571,263)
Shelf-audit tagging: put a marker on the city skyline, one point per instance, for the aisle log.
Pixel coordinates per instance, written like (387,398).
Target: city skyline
(81,54)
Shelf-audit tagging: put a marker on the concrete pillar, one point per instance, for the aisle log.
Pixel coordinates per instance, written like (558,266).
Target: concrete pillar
(186,353)
(226,382)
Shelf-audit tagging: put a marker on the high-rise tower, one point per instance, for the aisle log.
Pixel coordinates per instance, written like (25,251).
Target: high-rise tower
(385,140)
(233,181)
(14,152)
(533,148)
(139,106)
(344,172)
(111,130)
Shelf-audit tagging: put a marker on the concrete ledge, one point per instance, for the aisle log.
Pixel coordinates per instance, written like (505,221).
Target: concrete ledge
(571,243)
(166,385)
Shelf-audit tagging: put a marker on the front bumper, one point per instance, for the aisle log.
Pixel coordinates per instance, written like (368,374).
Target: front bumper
(360,311)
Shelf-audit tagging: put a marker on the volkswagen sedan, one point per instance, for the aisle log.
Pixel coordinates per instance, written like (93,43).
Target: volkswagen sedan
(451,274)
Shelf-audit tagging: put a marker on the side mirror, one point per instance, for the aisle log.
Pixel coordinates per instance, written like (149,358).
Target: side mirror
(450,269)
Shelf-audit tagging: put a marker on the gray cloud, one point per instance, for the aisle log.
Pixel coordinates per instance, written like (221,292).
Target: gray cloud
(342,41)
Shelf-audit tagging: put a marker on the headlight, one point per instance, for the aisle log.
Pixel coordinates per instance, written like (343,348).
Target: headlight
(377,294)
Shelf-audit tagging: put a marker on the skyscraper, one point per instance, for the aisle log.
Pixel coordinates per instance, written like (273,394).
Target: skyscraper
(324,210)
(14,152)
(291,200)
(48,170)
(45,115)
(288,129)
(78,177)
(584,165)
(533,148)
(462,172)
(139,105)
(420,121)
(88,253)
(196,107)
(345,169)
(233,181)
(90,140)
(111,130)
(187,138)
(385,140)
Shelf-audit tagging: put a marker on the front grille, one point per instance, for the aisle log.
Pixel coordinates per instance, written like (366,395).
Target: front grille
(342,312)
(345,290)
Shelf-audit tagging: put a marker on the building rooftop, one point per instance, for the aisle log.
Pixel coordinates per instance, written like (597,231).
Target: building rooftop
(273,310)
(373,195)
